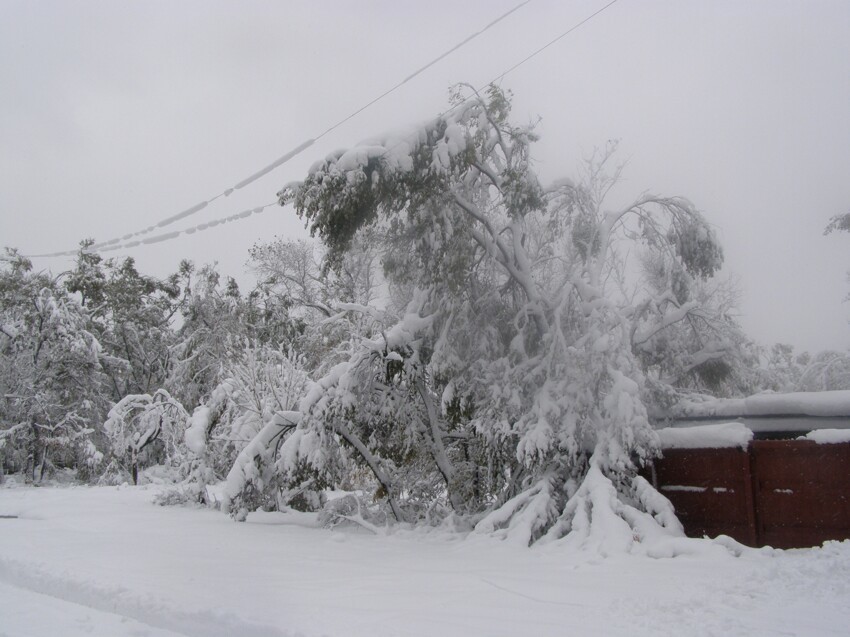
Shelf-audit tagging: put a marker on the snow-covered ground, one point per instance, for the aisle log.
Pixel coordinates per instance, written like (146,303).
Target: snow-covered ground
(105,561)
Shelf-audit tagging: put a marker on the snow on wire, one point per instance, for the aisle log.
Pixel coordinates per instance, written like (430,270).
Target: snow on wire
(111,244)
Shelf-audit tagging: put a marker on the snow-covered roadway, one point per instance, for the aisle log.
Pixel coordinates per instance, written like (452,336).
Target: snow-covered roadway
(104,561)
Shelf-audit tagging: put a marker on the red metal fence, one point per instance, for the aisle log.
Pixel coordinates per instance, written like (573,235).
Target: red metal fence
(780,493)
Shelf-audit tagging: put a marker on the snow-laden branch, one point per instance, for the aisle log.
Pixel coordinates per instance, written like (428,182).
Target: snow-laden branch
(672,317)
(524,517)
(693,361)
(522,275)
(246,467)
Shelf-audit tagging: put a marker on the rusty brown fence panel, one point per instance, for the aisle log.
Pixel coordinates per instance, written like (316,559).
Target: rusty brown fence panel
(710,489)
(782,493)
(803,492)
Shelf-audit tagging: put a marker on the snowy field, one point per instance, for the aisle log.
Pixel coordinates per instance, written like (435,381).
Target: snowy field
(105,561)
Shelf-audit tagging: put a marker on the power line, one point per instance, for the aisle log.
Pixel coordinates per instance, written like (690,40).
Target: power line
(551,42)
(516,66)
(295,151)
(427,66)
(115,244)
(508,70)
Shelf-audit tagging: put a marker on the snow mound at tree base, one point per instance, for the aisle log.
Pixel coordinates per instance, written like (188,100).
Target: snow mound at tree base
(599,520)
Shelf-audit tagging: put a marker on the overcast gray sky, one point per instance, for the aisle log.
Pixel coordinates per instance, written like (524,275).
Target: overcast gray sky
(117,114)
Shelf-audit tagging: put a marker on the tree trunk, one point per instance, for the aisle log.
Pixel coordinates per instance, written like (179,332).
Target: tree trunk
(134,466)
(32,454)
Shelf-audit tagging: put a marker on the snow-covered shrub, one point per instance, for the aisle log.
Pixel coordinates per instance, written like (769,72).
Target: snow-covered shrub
(179,495)
(113,473)
(143,429)
(237,432)
(353,509)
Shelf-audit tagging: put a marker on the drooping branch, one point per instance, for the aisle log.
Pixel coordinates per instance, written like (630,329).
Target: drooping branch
(693,362)
(435,438)
(671,318)
(508,260)
(374,464)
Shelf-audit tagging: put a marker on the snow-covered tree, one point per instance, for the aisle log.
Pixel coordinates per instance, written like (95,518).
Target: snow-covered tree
(344,343)
(686,337)
(49,374)
(250,404)
(782,367)
(378,411)
(518,350)
(826,371)
(330,307)
(143,425)
(213,331)
(131,314)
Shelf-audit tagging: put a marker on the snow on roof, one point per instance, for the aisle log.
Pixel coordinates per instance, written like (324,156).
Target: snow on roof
(824,404)
(721,436)
(828,436)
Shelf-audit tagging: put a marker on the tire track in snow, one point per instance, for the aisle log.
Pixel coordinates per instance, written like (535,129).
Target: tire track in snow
(123,602)
(24,613)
